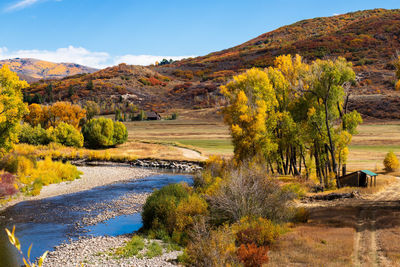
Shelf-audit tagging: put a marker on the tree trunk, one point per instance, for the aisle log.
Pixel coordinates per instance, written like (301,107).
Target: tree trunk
(317,164)
(332,148)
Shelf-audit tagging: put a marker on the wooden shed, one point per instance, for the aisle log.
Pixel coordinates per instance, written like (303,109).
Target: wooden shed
(363,178)
(152,116)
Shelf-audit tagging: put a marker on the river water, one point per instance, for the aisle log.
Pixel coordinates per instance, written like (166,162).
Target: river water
(49,222)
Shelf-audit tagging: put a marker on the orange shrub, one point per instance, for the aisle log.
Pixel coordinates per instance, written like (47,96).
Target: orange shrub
(252,256)
(397,86)
(258,231)
(35,115)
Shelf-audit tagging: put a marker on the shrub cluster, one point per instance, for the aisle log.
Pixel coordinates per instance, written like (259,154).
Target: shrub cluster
(64,134)
(230,217)
(32,174)
(247,191)
(210,247)
(8,186)
(171,211)
(67,135)
(104,132)
(61,123)
(35,135)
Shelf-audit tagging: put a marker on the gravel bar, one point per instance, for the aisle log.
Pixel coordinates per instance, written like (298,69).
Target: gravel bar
(98,251)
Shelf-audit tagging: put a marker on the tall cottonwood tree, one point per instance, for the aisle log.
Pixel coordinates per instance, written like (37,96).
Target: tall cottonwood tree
(251,113)
(324,88)
(292,110)
(12,108)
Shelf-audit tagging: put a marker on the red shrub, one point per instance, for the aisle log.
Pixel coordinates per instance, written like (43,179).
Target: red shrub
(7,188)
(252,256)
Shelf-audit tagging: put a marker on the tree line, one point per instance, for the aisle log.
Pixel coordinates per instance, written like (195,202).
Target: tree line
(291,113)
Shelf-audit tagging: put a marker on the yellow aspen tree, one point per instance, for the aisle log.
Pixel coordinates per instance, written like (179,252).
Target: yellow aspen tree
(250,113)
(35,115)
(12,108)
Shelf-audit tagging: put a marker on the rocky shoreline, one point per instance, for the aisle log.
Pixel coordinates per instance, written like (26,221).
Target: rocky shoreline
(179,165)
(93,176)
(100,212)
(99,251)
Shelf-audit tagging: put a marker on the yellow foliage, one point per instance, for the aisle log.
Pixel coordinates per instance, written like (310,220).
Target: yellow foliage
(251,99)
(188,209)
(290,67)
(391,162)
(216,249)
(214,186)
(51,116)
(397,87)
(15,242)
(260,231)
(35,115)
(33,175)
(12,108)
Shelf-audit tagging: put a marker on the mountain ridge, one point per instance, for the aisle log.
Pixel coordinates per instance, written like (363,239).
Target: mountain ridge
(31,69)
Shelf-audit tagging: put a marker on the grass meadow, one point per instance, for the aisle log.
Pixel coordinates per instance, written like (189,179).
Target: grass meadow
(204,131)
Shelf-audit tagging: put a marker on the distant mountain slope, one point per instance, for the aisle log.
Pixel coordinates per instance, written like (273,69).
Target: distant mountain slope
(33,69)
(370,39)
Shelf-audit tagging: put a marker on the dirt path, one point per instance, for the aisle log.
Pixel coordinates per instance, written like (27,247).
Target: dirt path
(371,216)
(191,154)
(367,250)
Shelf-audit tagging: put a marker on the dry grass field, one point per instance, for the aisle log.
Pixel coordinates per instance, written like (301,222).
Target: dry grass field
(370,145)
(202,130)
(314,245)
(352,232)
(205,131)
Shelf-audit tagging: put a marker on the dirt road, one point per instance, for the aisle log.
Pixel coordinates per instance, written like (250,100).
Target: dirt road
(191,154)
(371,210)
(370,216)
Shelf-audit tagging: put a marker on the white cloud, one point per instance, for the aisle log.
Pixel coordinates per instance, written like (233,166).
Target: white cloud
(69,54)
(21,4)
(83,56)
(336,14)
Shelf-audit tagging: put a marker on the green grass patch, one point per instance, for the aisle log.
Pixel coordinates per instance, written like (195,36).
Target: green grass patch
(222,146)
(154,250)
(132,248)
(169,247)
(377,148)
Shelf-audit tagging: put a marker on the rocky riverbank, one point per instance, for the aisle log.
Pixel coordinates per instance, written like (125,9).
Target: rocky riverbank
(100,212)
(93,176)
(185,166)
(100,251)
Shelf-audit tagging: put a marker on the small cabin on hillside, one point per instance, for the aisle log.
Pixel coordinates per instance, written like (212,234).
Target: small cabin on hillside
(363,178)
(152,116)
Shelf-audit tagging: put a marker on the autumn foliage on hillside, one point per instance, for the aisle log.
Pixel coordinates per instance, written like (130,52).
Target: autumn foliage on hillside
(369,39)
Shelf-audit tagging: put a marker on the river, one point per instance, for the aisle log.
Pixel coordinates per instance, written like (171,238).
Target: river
(49,222)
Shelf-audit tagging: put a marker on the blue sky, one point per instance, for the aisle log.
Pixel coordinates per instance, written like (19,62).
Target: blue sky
(100,33)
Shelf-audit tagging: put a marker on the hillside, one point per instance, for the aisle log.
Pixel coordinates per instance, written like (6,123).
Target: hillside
(369,39)
(31,69)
